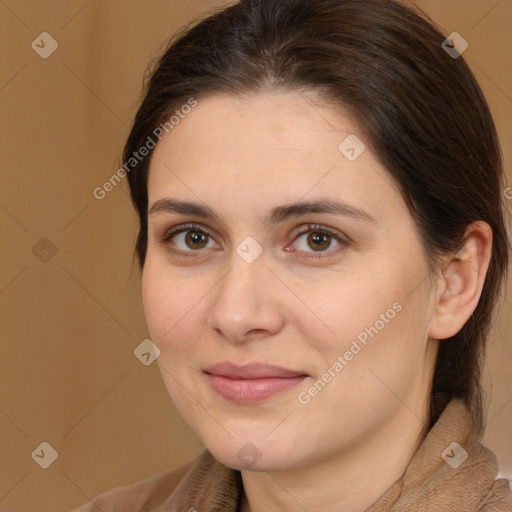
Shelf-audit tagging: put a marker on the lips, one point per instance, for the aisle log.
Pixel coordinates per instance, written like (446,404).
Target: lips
(251,382)
(251,371)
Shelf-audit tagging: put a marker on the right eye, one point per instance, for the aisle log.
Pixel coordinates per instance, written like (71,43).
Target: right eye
(184,240)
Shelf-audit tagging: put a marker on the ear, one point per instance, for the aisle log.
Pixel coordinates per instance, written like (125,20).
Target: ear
(461,282)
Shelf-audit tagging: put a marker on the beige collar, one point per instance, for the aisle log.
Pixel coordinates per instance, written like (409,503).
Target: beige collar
(435,480)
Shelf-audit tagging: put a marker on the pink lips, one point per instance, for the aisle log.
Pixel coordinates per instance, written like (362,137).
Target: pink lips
(252,382)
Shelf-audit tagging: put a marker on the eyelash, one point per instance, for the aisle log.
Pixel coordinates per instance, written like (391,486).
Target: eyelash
(310,228)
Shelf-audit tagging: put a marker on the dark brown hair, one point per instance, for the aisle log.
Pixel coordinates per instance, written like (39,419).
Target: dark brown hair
(419,109)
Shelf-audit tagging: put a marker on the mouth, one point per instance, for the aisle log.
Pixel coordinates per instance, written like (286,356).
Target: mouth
(252,382)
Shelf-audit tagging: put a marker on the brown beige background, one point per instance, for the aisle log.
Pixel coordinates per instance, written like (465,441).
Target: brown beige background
(70,324)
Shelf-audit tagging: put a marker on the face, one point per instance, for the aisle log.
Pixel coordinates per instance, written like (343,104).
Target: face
(270,243)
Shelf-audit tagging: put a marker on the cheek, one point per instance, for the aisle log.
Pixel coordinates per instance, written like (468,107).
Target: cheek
(345,307)
(168,304)
(374,319)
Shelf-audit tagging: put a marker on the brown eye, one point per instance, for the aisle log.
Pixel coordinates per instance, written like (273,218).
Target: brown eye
(319,241)
(196,239)
(187,239)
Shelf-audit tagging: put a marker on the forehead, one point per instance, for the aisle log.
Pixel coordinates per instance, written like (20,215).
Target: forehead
(274,148)
(273,119)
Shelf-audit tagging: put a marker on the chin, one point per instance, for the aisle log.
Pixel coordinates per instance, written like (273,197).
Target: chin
(254,455)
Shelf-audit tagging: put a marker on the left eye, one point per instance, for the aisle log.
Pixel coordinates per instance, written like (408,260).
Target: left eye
(317,240)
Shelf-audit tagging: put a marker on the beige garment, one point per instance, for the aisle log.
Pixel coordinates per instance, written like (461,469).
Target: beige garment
(429,483)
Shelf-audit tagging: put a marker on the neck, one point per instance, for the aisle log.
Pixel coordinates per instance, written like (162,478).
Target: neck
(350,480)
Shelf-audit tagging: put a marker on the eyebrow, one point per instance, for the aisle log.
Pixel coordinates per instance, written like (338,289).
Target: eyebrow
(276,215)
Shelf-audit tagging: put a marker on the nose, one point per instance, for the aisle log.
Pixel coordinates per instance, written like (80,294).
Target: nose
(246,306)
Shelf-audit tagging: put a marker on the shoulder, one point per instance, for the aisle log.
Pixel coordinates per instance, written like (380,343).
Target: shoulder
(499,497)
(144,494)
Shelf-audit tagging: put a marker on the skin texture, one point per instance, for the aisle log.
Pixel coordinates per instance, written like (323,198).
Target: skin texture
(354,438)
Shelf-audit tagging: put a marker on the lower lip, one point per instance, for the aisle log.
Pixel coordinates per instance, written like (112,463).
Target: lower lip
(252,390)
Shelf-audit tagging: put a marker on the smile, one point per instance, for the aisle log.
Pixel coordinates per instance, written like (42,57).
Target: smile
(251,382)
(252,390)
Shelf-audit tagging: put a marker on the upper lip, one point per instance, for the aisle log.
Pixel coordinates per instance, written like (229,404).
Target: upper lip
(251,371)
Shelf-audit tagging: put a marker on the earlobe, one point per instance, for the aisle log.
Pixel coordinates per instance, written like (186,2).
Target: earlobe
(461,282)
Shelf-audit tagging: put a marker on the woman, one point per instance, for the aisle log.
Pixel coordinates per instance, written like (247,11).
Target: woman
(322,243)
